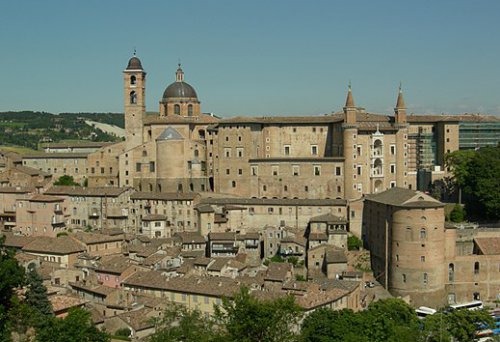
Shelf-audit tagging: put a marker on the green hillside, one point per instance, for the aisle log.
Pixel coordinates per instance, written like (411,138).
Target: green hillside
(29,129)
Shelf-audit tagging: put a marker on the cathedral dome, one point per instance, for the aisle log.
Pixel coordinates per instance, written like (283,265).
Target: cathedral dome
(134,63)
(179,88)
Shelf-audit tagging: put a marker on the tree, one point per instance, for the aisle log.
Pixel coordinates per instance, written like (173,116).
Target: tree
(385,320)
(77,326)
(66,180)
(11,276)
(483,184)
(477,173)
(36,295)
(459,325)
(457,214)
(327,325)
(246,318)
(354,243)
(180,324)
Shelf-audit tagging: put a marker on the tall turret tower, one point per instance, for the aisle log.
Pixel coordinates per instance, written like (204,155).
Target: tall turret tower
(350,132)
(401,141)
(134,87)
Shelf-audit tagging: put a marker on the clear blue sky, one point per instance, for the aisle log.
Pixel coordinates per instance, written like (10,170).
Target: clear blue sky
(254,57)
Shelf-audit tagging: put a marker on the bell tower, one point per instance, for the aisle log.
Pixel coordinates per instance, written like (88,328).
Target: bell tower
(134,86)
(350,132)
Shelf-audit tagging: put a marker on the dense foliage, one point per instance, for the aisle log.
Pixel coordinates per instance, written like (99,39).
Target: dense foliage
(476,172)
(66,180)
(29,128)
(29,316)
(354,243)
(247,319)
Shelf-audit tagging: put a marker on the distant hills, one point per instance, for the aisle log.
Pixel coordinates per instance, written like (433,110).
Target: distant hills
(29,129)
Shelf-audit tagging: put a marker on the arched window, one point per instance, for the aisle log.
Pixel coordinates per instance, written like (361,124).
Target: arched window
(133,80)
(476,267)
(451,272)
(423,233)
(408,234)
(177,109)
(190,110)
(196,153)
(133,97)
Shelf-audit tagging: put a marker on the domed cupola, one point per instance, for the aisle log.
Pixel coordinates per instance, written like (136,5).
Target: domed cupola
(179,98)
(134,63)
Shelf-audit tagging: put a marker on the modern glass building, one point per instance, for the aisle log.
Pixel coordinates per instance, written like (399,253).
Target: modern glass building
(473,135)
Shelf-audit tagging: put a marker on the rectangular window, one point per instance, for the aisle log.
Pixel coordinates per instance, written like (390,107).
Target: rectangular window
(152,166)
(287,150)
(359,150)
(239,152)
(228,171)
(138,167)
(393,184)
(338,171)
(359,170)
(393,168)
(314,150)
(393,149)
(275,170)
(317,170)
(227,152)
(255,170)
(270,210)
(295,170)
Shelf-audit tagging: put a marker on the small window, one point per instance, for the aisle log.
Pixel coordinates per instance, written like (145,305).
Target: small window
(133,97)
(177,109)
(133,80)
(314,150)
(393,149)
(423,233)
(476,267)
(404,278)
(426,278)
(190,110)
(317,170)
(295,170)
(255,171)
(422,258)
(287,150)
(233,184)
(338,171)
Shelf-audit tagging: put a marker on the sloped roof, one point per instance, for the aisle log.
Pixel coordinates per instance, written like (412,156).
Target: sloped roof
(86,192)
(170,134)
(489,245)
(61,245)
(402,197)
(327,218)
(93,238)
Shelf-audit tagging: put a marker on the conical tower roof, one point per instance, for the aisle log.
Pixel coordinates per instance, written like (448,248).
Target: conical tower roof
(350,100)
(400,103)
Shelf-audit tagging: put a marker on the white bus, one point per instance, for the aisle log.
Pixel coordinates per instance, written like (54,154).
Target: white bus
(474,305)
(424,311)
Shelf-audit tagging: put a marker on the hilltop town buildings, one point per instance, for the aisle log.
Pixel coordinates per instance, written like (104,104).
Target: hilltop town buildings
(189,205)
